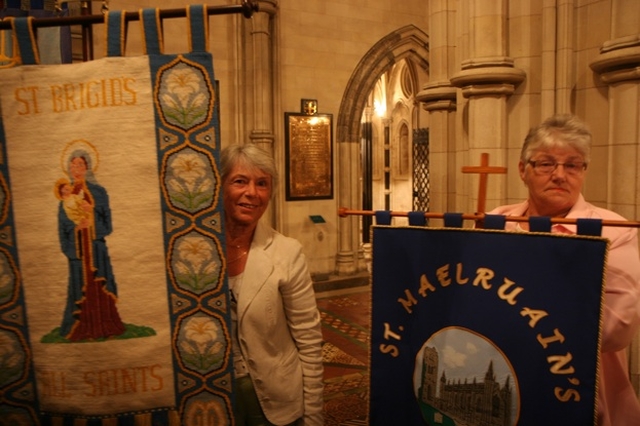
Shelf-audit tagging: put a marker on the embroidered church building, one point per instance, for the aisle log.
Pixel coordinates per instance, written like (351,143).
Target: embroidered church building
(486,403)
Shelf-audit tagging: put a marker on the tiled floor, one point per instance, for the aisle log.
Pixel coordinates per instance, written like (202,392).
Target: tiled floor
(345,326)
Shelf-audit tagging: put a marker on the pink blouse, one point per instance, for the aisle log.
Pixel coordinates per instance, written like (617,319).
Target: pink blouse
(618,403)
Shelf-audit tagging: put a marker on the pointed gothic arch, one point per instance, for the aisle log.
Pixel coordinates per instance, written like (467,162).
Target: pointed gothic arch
(408,42)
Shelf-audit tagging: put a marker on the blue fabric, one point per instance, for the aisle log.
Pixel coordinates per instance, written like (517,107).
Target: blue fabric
(494,221)
(383,217)
(115,33)
(591,227)
(25,37)
(470,309)
(417,218)
(32,4)
(540,224)
(18,4)
(453,220)
(198,27)
(152,31)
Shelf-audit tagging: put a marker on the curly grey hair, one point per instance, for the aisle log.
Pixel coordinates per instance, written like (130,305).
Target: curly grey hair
(560,130)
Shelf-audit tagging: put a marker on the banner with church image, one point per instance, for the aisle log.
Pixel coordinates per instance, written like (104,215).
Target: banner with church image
(484,327)
(113,297)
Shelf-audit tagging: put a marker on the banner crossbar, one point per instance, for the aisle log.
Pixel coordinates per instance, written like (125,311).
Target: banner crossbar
(247,8)
(478,218)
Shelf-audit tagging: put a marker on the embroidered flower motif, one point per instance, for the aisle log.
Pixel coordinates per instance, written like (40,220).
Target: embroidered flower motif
(205,405)
(202,344)
(189,167)
(183,82)
(184,96)
(196,263)
(11,358)
(195,250)
(190,181)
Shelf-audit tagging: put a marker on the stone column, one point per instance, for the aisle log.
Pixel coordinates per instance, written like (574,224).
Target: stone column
(261,76)
(438,97)
(348,195)
(487,78)
(618,66)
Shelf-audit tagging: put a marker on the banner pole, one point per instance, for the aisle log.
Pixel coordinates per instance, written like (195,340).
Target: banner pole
(247,8)
(479,217)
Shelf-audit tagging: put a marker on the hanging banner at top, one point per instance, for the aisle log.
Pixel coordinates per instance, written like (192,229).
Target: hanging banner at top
(113,296)
(483,327)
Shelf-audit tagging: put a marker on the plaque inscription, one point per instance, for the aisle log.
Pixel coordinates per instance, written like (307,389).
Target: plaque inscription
(309,156)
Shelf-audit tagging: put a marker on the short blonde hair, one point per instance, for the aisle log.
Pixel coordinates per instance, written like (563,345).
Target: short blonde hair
(250,155)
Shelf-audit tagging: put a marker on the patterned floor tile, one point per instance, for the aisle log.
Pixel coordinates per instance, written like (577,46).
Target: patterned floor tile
(345,328)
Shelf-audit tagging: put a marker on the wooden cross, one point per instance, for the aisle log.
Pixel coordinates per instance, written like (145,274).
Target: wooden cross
(483,170)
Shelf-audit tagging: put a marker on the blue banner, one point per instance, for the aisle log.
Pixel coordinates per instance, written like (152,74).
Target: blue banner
(481,327)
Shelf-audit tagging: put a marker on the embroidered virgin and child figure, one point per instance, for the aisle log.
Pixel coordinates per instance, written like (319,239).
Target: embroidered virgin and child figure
(84,222)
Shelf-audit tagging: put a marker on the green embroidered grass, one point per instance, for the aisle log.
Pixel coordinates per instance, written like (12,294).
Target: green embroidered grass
(131,331)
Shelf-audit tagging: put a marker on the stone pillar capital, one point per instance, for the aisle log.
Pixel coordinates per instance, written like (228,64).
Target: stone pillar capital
(619,60)
(483,78)
(263,136)
(438,96)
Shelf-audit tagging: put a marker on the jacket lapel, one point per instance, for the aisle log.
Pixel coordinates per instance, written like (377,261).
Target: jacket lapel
(258,269)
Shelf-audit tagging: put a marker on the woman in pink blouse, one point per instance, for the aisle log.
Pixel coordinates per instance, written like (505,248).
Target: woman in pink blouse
(553,165)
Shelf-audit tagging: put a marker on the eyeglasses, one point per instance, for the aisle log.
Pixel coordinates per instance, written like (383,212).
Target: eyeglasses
(546,167)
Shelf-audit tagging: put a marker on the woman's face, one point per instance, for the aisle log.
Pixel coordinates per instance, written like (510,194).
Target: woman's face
(78,168)
(553,194)
(246,194)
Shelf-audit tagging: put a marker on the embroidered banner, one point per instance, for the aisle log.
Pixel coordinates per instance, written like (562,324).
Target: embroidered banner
(113,298)
(480,327)
(54,43)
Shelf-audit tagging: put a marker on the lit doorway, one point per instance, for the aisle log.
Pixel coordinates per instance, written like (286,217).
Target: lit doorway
(390,122)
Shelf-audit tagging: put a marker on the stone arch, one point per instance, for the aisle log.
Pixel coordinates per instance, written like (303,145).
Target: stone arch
(408,42)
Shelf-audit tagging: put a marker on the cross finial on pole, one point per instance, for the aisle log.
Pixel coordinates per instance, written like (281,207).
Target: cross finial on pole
(483,170)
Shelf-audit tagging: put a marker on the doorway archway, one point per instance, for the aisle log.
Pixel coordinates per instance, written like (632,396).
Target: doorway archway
(408,43)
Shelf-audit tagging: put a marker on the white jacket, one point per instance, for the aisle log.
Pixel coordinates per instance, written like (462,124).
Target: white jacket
(279,329)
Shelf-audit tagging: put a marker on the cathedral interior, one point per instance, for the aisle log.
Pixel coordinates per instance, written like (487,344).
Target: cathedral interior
(410,93)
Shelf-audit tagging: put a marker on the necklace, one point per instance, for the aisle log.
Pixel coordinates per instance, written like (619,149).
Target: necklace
(239,257)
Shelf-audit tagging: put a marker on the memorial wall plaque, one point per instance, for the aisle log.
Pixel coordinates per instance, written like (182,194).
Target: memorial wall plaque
(309,156)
